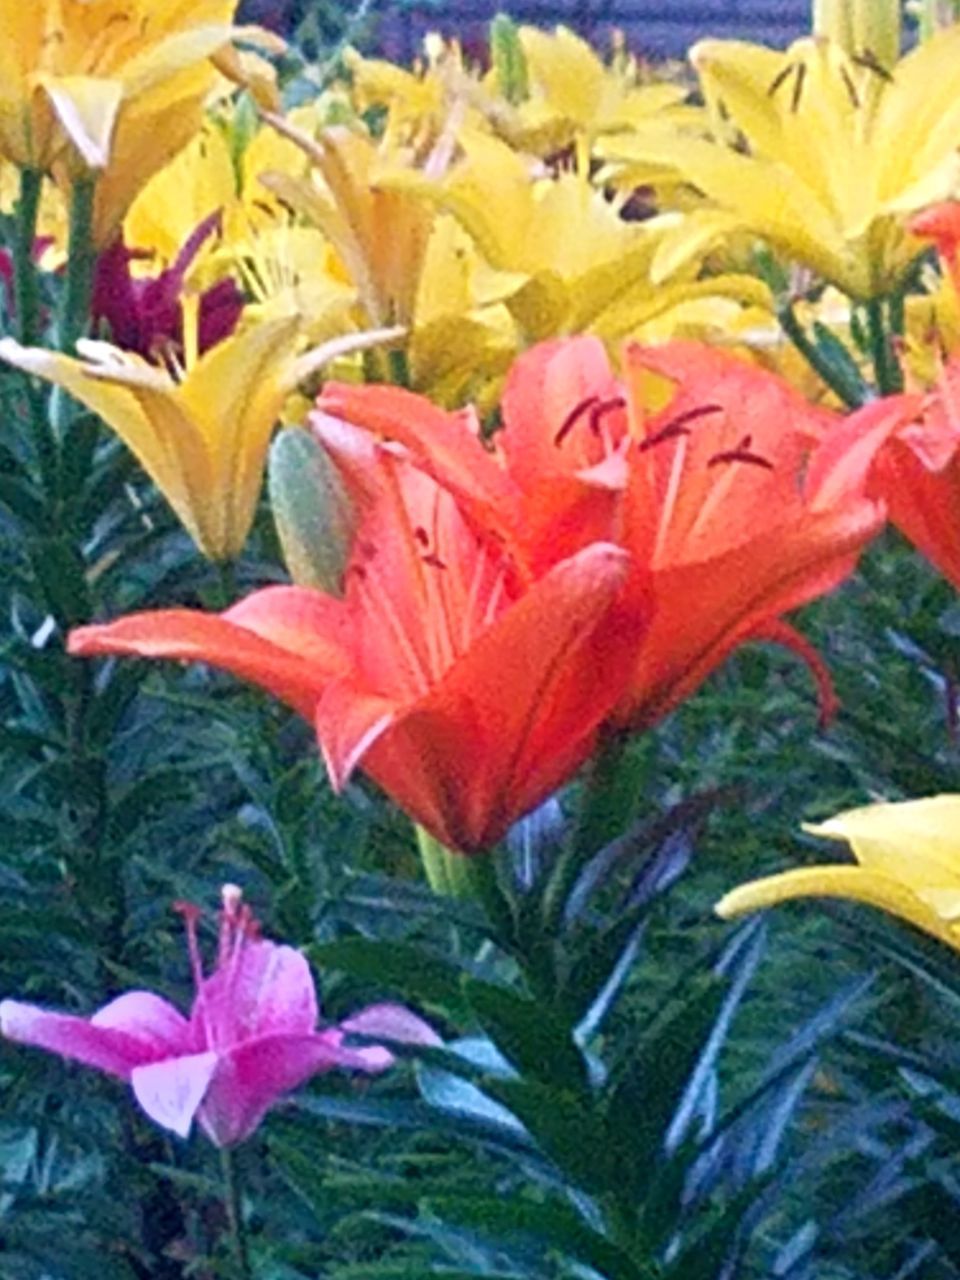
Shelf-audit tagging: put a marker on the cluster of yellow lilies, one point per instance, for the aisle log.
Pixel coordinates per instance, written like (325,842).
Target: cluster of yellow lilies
(425,225)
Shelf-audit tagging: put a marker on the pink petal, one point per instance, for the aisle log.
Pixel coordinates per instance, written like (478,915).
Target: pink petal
(116,1049)
(171,1091)
(252,1076)
(151,1019)
(393,1022)
(266,990)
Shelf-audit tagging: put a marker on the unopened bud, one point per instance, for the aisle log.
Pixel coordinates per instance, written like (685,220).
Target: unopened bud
(311,509)
(868,29)
(509,60)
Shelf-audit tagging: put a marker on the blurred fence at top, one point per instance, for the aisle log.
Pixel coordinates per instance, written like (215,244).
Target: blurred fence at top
(654,28)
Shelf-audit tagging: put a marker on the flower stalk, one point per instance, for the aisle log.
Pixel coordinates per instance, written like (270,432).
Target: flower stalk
(25,296)
(232,1203)
(80,263)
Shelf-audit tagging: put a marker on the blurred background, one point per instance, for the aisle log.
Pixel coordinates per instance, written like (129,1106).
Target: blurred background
(654,28)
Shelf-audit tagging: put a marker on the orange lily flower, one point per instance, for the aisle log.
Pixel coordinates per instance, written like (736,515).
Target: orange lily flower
(733,504)
(917,471)
(466,696)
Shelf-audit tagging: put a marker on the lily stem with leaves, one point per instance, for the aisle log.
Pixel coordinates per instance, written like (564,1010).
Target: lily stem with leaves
(26,301)
(835,377)
(886,369)
(234,1208)
(78,284)
(25,293)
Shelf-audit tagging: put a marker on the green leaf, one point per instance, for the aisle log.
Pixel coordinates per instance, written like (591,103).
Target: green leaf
(566,1127)
(530,1035)
(558,1225)
(651,1083)
(415,973)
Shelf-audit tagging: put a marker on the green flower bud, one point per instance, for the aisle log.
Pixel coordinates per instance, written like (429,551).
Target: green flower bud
(509,60)
(313,514)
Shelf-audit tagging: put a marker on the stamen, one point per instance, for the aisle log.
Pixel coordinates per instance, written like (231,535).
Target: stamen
(781,78)
(677,426)
(798,87)
(741,453)
(670,432)
(870,62)
(850,87)
(190,914)
(573,417)
(600,411)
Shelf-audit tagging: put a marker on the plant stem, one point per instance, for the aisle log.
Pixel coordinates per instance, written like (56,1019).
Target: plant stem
(231,1202)
(26,303)
(75,310)
(25,294)
(833,377)
(886,370)
(473,877)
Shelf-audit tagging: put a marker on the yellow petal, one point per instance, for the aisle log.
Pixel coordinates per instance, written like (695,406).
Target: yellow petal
(87,107)
(853,883)
(137,404)
(917,841)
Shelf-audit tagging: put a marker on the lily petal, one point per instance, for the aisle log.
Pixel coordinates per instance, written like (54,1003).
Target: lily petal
(517,713)
(170,1092)
(115,1049)
(251,641)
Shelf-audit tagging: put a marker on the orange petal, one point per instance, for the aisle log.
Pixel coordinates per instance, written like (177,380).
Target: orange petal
(518,713)
(442,443)
(252,646)
(546,385)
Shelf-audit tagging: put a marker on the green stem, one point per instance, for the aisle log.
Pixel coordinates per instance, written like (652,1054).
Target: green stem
(25,293)
(75,311)
(473,877)
(886,370)
(231,1202)
(841,386)
(26,303)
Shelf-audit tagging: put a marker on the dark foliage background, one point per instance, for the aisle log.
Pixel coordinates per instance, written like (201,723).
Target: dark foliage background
(758,1103)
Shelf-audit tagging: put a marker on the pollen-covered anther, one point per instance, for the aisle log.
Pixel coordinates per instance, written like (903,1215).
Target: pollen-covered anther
(574,416)
(741,453)
(678,426)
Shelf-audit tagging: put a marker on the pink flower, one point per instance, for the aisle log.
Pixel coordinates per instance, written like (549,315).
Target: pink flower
(251,1035)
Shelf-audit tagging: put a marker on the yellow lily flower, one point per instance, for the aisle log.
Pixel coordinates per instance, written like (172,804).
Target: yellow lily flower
(201,431)
(839,151)
(379,234)
(908,863)
(114,88)
(573,96)
(565,261)
(197,182)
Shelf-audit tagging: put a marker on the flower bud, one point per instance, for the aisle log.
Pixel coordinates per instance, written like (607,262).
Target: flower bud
(509,60)
(311,509)
(861,28)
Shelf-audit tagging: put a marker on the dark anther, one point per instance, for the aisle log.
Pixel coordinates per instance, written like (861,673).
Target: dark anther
(850,86)
(781,78)
(359,570)
(573,417)
(868,59)
(604,407)
(433,561)
(798,87)
(670,432)
(677,426)
(741,454)
(421,536)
